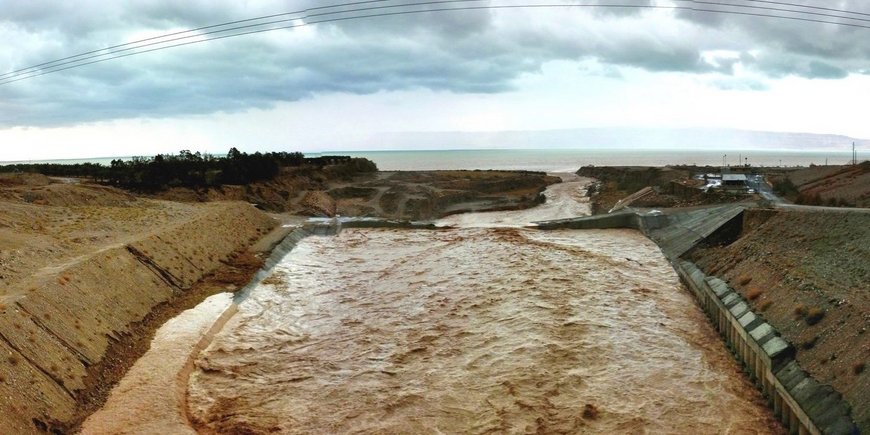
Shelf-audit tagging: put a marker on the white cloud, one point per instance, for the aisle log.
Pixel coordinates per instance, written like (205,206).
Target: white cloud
(333,85)
(562,96)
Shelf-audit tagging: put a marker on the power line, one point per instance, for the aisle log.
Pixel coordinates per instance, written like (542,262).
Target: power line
(57,63)
(97,53)
(808,7)
(229,23)
(768,8)
(85,58)
(20,72)
(132,45)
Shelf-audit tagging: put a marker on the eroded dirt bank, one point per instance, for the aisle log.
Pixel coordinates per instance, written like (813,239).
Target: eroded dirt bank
(85,272)
(409,195)
(566,199)
(472,331)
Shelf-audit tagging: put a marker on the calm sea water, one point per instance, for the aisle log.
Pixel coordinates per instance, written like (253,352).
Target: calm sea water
(569,160)
(105,161)
(560,160)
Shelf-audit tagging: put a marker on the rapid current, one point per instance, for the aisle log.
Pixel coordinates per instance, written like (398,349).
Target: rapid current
(486,327)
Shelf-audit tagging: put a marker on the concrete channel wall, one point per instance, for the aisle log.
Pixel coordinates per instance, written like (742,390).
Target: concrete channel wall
(280,250)
(621,219)
(801,403)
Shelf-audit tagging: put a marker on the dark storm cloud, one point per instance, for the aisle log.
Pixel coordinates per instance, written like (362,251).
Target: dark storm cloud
(778,66)
(462,52)
(795,47)
(657,58)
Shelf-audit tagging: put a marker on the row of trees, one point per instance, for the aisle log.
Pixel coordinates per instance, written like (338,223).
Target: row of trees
(198,170)
(189,169)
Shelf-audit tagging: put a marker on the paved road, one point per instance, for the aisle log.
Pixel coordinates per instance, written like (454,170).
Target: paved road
(757,182)
(821,208)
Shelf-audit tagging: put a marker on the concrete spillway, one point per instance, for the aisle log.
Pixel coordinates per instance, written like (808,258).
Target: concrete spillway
(675,232)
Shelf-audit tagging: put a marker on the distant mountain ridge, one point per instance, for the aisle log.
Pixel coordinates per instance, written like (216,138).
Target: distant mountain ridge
(634,138)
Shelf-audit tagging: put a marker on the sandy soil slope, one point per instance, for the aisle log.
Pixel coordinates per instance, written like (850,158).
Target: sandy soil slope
(809,274)
(848,185)
(83,270)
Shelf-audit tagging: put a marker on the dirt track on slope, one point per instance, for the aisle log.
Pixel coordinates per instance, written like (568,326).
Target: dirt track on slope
(86,275)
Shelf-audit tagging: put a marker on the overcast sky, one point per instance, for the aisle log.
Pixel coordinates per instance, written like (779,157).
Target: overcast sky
(336,86)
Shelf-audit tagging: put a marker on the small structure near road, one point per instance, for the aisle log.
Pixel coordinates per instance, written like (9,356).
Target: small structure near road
(734,181)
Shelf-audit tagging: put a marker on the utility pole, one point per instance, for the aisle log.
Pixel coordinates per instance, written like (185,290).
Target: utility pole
(854,155)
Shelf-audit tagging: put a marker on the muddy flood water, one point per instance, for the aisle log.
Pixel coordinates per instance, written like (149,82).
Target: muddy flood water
(472,331)
(478,329)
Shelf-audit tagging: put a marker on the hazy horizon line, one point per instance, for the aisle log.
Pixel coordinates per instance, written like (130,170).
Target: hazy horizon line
(334,152)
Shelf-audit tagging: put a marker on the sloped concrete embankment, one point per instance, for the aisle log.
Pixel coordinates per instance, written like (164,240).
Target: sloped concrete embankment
(622,219)
(280,250)
(152,396)
(799,401)
(56,335)
(803,404)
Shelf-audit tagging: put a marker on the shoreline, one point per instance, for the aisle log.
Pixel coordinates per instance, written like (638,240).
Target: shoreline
(173,348)
(123,355)
(127,410)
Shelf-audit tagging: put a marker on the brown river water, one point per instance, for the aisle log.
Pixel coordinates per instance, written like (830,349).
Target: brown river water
(486,328)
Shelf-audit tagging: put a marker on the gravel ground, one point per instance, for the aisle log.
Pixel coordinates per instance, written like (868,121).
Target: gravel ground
(808,273)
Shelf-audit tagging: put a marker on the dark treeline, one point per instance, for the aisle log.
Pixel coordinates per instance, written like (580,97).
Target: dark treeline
(188,169)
